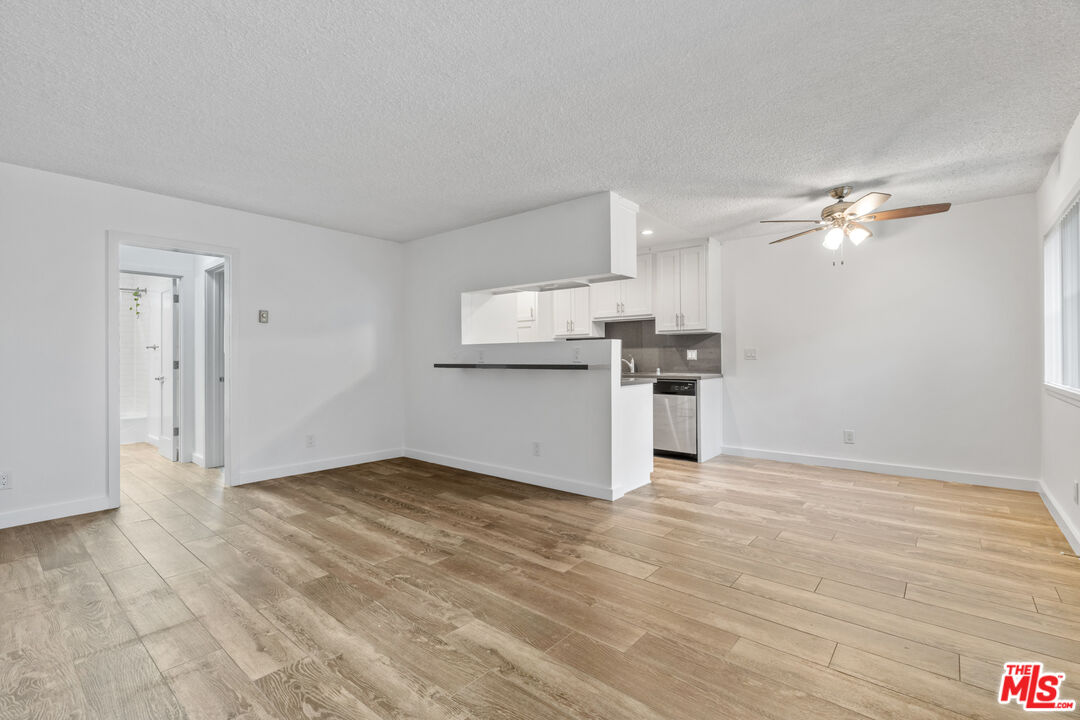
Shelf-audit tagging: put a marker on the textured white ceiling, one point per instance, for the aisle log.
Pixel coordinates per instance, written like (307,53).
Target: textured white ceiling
(402,118)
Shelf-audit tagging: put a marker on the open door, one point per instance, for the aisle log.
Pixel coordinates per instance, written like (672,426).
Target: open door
(169,435)
(215,366)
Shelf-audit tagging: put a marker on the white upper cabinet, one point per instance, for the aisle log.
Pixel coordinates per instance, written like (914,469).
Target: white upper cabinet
(606,298)
(637,296)
(526,306)
(686,296)
(625,299)
(666,291)
(571,314)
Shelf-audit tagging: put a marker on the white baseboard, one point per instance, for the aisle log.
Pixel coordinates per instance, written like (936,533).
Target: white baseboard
(52,512)
(1064,522)
(198,459)
(620,491)
(523,476)
(243,477)
(1007,482)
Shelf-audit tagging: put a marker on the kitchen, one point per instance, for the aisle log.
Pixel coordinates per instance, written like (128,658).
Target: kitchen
(663,323)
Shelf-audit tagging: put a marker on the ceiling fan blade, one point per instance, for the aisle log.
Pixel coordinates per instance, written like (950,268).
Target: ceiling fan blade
(907,212)
(800,221)
(867,203)
(804,232)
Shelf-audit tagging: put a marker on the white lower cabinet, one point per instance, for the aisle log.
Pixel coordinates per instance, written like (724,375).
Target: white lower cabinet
(571,314)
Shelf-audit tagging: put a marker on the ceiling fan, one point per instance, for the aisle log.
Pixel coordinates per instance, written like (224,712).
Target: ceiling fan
(845,219)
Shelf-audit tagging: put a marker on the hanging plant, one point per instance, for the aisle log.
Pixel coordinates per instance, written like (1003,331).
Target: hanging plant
(136,296)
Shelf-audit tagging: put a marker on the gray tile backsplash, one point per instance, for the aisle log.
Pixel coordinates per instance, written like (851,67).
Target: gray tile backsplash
(667,352)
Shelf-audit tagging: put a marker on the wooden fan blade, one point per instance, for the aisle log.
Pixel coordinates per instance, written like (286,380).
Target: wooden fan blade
(907,212)
(802,221)
(867,203)
(804,232)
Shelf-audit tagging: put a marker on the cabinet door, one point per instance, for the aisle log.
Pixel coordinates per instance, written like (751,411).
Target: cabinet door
(581,317)
(562,311)
(637,292)
(666,291)
(605,298)
(526,306)
(693,288)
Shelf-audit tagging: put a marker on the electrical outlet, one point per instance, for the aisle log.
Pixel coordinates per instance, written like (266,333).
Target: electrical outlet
(309,441)
(691,354)
(750,354)
(5,480)
(849,437)
(536,449)
(577,355)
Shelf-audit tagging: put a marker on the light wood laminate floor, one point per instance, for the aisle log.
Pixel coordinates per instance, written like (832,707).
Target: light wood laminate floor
(399,589)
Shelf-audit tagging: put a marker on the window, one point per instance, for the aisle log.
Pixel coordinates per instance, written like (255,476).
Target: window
(1062,300)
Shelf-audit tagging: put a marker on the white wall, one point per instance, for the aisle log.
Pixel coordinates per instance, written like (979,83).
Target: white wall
(926,344)
(488,420)
(328,364)
(1060,410)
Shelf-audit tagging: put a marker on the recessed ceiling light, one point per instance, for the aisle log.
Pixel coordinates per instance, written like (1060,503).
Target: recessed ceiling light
(646,232)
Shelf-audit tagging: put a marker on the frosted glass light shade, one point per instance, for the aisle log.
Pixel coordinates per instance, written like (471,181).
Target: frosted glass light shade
(858,234)
(834,238)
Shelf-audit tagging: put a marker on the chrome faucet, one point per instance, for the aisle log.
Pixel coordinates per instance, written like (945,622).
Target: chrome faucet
(629,363)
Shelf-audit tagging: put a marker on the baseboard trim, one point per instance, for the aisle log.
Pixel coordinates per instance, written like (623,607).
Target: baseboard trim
(42,513)
(1006,482)
(245,477)
(1064,522)
(523,476)
(620,491)
(198,459)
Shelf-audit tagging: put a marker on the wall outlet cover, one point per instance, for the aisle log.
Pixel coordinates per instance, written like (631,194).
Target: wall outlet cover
(849,437)
(309,441)
(5,480)
(750,354)
(691,354)
(536,449)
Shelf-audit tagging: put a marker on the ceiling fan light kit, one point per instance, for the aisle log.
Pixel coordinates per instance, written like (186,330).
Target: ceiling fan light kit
(845,219)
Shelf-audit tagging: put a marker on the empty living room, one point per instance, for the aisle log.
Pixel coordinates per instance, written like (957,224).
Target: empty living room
(609,359)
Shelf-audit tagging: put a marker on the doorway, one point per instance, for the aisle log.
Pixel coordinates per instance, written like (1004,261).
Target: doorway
(169,350)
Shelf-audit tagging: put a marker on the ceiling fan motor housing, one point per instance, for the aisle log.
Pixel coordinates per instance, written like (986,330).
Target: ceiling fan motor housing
(835,211)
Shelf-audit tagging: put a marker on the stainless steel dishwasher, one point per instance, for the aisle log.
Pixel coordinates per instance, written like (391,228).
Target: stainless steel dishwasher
(675,430)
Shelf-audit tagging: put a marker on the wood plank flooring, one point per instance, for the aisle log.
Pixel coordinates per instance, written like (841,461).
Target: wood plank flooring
(400,589)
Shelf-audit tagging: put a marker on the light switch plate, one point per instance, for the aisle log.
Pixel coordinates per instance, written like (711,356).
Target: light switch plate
(849,437)
(750,353)
(264,316)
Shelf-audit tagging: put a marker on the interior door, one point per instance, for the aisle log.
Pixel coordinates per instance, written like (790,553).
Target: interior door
(151,324)
(169,430)
(692,288)
(637,292)
(667,291)
(215,367)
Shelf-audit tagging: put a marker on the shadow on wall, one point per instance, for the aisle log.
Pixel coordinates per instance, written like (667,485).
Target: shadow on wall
(666,352)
